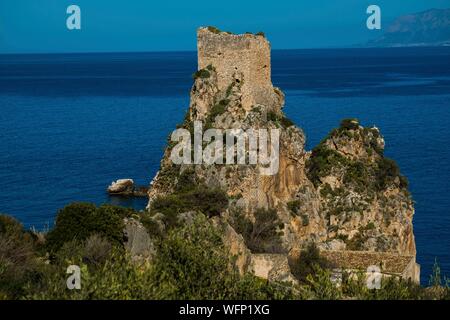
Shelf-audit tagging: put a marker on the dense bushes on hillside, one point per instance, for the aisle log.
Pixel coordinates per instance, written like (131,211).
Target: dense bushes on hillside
(17,257)
(191,263)
(78,221)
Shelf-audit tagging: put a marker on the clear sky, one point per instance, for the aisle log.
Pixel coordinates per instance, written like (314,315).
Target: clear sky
(146,25)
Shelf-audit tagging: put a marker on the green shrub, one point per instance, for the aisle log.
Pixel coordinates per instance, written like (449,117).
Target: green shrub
(279,119)
(10,226)
(116,279)
(185,180)
(202,74)
(305,220)
(294,206)
(78,221)
(357,242)
(168,174)
(272,116)
(154,227)
(320,285)
(393,288)
(350,124)
(210,202)
(305,264)
(326,190)
(387,171)
(321,163)
(93,252)
(262,235)
(229,89)
(286,122)
(435,277)
(17,258)
(214,29)
(216,110)
(357,175)
(219,108)
(370,226)
(354,286)
(96,250)
(190,265)
(240,223)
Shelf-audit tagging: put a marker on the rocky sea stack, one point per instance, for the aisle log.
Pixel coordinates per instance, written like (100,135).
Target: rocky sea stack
(344,195)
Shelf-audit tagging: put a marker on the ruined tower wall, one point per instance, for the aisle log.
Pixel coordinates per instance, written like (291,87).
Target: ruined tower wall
(245,57)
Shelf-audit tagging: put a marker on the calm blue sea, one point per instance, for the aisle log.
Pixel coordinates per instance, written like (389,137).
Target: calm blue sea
(72,123)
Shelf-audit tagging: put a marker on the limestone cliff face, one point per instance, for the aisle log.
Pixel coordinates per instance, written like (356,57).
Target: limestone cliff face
(344,195)
(363,196)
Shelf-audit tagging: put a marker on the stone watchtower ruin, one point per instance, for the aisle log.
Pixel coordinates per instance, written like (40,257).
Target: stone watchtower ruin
(245,58)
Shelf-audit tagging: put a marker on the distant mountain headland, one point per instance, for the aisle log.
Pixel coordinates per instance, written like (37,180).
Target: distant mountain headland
(427,28)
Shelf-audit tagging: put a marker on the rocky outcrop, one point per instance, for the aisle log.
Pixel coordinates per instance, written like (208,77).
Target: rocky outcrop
(274,267)
(121,186)
(364,198)
(235,244)
(343,195)
(126,187)
(138,242)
